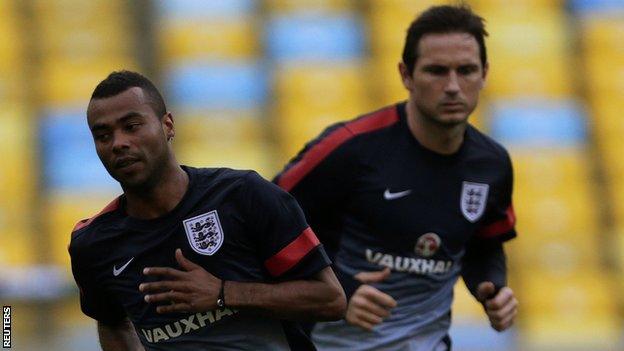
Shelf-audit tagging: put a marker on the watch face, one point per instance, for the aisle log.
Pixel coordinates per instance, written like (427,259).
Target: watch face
(220,302)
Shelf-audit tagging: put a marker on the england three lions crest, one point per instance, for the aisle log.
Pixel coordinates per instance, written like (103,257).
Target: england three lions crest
(204,233)
(473,200)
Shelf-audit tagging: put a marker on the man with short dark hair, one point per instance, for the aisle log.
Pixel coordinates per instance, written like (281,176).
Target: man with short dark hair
(189,258)
(408,198)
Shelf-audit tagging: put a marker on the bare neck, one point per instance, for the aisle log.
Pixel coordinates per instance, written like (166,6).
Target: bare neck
(442,139)
(159,198)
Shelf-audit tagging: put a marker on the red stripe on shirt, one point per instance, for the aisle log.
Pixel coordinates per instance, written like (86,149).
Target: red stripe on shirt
(323,148)
(85,222)
(500,227)
(289,256)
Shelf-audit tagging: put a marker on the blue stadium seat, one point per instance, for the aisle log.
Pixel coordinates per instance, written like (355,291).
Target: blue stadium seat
(192,9)
(70,164)
(538,123)
(308,37)
(596,6)
(217,85)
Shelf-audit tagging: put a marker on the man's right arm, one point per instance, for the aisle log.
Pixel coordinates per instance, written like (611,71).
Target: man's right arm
(118,337)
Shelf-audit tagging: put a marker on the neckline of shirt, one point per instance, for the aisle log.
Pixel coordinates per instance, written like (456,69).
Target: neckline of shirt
(159,221)
(402,111)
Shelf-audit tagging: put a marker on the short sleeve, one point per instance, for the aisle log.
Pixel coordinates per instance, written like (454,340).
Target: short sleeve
(287,245)
(500,219)
(94,301)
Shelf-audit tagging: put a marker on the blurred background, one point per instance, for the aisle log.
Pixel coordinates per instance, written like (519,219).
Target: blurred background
(250,81)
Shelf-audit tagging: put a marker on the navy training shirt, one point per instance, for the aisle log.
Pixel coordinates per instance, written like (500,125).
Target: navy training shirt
(235,224)
(377,198)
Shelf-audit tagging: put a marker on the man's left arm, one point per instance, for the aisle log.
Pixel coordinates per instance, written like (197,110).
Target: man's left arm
(193,289)
(485,273)
(484,267)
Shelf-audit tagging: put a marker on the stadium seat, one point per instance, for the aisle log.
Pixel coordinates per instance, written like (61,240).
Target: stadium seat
(216,84)
(305,37)
(67,82)
(388,22)
(605,75)
(337,88)
(528,54)
(233,139)
(593,7)
(574,311)
(538,123)
(85,42)
(200,9)
(79,171)
(11,41)
(523,8)
(316,6)
(386,86)
(551,172)
(309,98)
(211,39)
(602,33)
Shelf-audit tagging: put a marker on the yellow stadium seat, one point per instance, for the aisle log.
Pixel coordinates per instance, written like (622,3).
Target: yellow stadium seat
(11,41)
(601,34)
(617,246)
(80,12)
(387,87)
(17,243)
(553,171)
(512,77)
(219,127)
(249,154)
(66,82)
(209,38)
(560,213)
(18,174)
(605,75)
(528,53)
(323,84)
(224,139)
(525,7)
(309,5)
(612,158)
(568,311)
(388,23)
(465,306)
(309,99)
(89,42)
(615,186)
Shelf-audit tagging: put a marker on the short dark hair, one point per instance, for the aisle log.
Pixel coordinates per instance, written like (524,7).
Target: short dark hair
(120,81)
(444,19)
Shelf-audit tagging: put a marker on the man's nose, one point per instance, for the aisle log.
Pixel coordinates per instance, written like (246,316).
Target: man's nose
(120,142)
(452,85)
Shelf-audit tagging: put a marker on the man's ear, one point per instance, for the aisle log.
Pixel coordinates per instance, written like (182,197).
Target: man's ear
(486,69)
(168,125)
(406,76)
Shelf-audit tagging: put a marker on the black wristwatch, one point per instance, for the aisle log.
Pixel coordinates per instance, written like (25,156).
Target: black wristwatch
(221,298)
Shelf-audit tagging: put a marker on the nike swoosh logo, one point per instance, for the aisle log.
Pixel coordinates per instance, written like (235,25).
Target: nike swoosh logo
(392,196)
(117,271)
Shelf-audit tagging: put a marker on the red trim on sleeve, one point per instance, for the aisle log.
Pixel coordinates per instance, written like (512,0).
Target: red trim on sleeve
(324,147)
(290,255)
(500,227)
(85,222)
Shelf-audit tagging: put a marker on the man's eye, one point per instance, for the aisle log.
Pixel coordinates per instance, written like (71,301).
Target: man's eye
(467,69)
(132,126)
(101,137)
(436,70)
